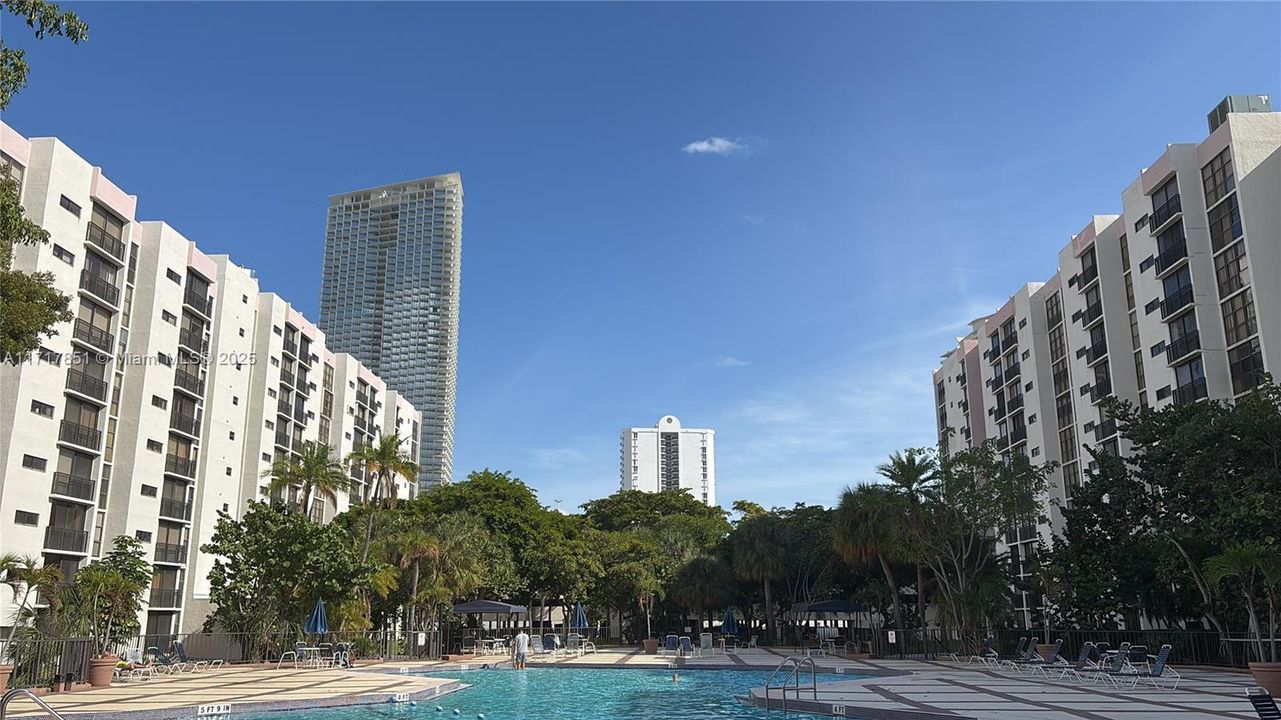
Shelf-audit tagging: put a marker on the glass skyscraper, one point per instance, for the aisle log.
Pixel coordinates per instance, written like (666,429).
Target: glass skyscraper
(393,257)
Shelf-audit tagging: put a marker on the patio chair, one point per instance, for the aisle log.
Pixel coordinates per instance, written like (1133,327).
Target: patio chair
(1159,674)
(1020,652)
(574,644)
(137,667)
(1082,662)
(1108,664)
(1033,661)
(165,663)
(551,644)
(471,646)
(705,646)
(686,647)
(1264,705)
(987,651)
(752,643)
(536,645)
(181,653)
(671,645)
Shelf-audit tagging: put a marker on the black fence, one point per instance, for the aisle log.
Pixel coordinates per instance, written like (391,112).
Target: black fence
(45,663)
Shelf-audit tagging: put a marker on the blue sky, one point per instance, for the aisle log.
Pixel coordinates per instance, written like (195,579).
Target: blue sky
(884,174)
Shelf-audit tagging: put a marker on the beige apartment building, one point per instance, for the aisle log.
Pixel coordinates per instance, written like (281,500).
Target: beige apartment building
(1174,300)
(164,402)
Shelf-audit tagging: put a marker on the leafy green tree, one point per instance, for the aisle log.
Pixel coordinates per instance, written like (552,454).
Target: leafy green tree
(913,474)
(812,561)
(869,530)
(629,509)
(30,305)
(1253,567)
(384,461)
(702,583)
(747,508)
(317,471)
(105,597)
(760,555)
(25,577)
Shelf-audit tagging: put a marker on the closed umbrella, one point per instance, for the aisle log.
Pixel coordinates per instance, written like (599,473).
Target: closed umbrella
(730,626)
(317,624)
(580,618)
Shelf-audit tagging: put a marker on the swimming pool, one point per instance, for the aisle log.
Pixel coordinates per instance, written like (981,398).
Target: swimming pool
(577,693)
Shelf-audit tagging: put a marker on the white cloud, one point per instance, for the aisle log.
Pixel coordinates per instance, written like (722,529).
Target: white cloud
(753,219)
(716,145)
(727,361)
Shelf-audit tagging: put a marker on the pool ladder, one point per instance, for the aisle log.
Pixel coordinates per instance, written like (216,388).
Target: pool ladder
(796,663)
(11,694)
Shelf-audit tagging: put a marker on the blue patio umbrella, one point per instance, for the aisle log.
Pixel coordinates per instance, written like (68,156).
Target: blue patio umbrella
(317,624)
(580,617)
(730,626)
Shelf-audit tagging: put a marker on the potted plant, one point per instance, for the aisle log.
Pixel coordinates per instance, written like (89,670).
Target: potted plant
(1255,567)
(25,576)
(107,596)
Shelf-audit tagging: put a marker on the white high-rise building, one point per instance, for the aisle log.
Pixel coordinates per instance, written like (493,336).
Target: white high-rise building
(168,396)
(393,258)
(670,457)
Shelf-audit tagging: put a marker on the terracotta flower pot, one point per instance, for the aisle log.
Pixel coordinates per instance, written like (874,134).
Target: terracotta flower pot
(5,672)
(651,646)
(1268,676)
(101,670)
(1043,649)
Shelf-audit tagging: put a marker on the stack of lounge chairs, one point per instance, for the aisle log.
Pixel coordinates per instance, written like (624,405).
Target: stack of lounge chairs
(1095,663)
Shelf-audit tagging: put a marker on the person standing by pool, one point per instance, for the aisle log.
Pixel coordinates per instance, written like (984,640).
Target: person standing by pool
(520,649)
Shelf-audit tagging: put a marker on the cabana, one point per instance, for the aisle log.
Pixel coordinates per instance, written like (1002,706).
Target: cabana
(482,608)
(835,606)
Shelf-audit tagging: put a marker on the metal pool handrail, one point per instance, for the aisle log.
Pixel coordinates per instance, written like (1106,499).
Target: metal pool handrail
(796,662)
(11,694)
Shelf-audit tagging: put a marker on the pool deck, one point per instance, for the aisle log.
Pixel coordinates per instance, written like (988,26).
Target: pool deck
(898,690)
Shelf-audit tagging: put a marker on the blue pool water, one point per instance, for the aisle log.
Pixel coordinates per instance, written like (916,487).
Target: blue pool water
(577,693)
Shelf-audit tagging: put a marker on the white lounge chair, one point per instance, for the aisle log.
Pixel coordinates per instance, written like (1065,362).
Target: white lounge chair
(705,646)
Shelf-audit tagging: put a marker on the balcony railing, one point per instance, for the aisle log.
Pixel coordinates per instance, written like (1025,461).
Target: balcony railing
(166,597)
(189,382)
(1162,214)
(1088,274)
(86,332)
(1176,301)
(1190,341)
(283,406)
(1014,403)
(77,434)
(86,384)
(1191,392)
(1096,351)
(72,486)
(1013,371)
(1010,341)
(1100,390)
(286,377)
(171,553)
(179,465)
(282,439)
(100,286)
(176,509)
(65,539)
(97,235)
(1092,312)
(1018,434)
(1171,256)
(193,340)
(1105,430)
(184,423)
(291,347)
(198,301)
(1003,442)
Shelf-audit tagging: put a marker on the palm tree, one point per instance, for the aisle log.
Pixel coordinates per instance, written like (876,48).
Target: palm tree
(383,461)
(914,475)
(316,470)
(761,556)
(413,547)
(702,583)
(24,576)
(868,529)
(1247,562)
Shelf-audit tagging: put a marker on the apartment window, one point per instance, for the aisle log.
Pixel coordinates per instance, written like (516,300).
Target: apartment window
(172,275)
(31,462)
(164,359)
(1246,364)
(154,446)
(271,425)
(1225,223)
(242,332)
(69,206)
(159,402)
(1190,374)
(228,472)
(1182,278)
(277,330)
(266,457)
(1229,268)
(1165,202)
(271,393)
(231,435)
(22,517)
(1125,254)
(64,254)
(148,490)
(1217,177)
(40,408)
(1239,321)
(244,299)
(143,535)
(235,399)
(168,317)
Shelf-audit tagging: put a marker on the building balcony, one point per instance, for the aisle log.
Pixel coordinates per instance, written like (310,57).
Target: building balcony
(1010,342)
(282,439)
(291,347)
(1092,312)
(184,424)
(85,436)
(283,406)
(1179,348)
(286,377)
(1100,390)
(193,340)
(81,382)
(175,509)
(1096,352)
(1018,435)
(1014,403)
(1104,430)
(1003,442)
(100,286)
(166,598)
(179,465)
(1171,257)
(69,540)
(171,553)
(97,235)
(1175,302)
(198,301)
(1013,372)
(1087,276)
(190,382)
(1165,213)
(1191,392)
(72,486)
(94,337)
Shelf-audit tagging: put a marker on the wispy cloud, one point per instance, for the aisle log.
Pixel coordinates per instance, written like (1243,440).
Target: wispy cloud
(729,362)
(753,219)
(716,145)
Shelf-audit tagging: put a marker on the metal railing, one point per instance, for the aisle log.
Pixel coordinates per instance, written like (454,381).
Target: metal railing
(86,384)
(1176,301)
(1191,392)
(1092,312)
(189,382)
(199,301)
(796,662)
(192,339)
(1096,351)
(100,286)
(11,694)
(72,486)
(97,235)
(77,434)
(65,539)
(1087,276)
(84,331)
(176,509)
(1171,256)
(1191,340)
(184,423)
(179,465)
(171,553)
(166,597)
